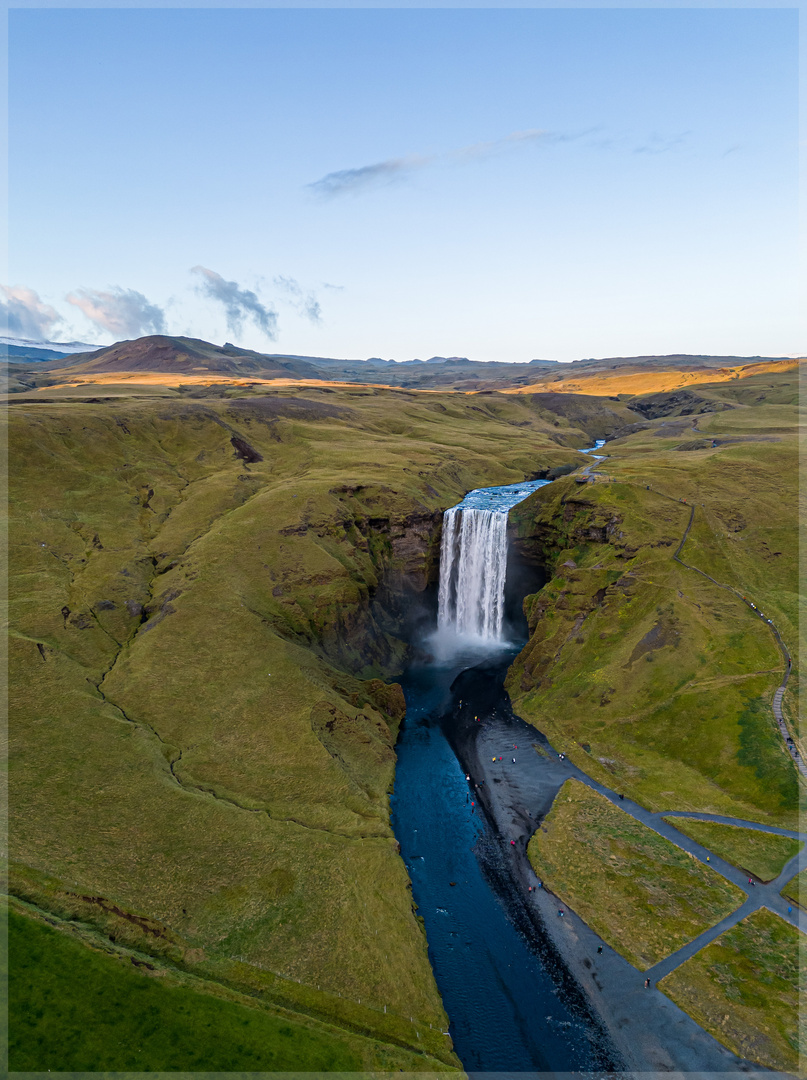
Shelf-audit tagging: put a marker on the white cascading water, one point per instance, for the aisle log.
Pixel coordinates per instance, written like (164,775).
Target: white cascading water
(473,561)
(473,564)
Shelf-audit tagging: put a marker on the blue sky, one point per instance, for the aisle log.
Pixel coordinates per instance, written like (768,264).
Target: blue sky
(498,184)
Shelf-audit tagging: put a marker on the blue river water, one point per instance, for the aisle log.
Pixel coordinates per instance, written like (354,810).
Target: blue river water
(512,1005)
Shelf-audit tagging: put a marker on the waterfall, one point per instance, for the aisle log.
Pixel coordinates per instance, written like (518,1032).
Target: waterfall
(473,564)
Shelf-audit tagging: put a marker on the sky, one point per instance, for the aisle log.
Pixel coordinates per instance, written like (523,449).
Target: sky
(490,183)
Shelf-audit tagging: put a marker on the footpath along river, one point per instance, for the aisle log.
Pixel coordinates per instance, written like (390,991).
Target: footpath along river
(512,1003)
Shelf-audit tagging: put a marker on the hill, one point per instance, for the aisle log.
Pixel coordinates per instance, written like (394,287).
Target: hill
(197,360)
(208,597)
(159,353)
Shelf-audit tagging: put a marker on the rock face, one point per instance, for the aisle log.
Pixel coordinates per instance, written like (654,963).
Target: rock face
(676,403)
(403,599)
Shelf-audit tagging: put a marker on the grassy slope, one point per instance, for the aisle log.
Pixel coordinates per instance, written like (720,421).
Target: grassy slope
(210,784)
(744,989)
(88,1009)
(642,894)
(761,854)
(649,676)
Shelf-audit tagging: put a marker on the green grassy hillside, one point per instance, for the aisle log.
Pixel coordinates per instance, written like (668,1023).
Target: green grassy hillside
(79,1004)
(204,605)
(651,677)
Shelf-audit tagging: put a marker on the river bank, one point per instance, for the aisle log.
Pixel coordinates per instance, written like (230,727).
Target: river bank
(514,775)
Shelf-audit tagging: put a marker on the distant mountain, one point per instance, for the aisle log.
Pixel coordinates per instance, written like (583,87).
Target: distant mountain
(24,350)
(194,357)
(189,356)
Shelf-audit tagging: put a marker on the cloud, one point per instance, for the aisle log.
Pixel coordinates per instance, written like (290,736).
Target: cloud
(125,313)
(482,150)
(239,304)
(660,144)
(306,303)
(312,309)
(25,315)
(385,172)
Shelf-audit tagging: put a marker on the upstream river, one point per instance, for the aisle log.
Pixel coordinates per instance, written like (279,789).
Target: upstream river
(513,1006)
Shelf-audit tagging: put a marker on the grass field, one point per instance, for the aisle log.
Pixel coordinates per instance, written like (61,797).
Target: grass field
(208,597)
(649,676)
(74,1008)
(201,749)
(761,854)
(744,989)
(796,889)
(639,892)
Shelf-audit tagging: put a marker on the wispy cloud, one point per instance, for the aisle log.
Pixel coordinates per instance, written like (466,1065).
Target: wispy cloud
(239,304)
(367,176)
(25,315)
(305,302)
(123,312)
(660,144)
(347,181)
(483,150)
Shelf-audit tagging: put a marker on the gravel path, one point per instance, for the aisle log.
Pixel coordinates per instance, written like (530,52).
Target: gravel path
(651,1032)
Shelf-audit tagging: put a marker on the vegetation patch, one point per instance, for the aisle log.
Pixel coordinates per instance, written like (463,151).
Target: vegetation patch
(796,889)
(79,1009)
(208,604)
(639,892)
(744,989)
(666,676)
(761,854)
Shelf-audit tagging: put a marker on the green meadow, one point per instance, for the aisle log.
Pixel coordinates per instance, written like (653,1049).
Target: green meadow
(210,593)
(758,853)
(652,678)
(206,613)
(744,989)
(76,1007)
(643,895)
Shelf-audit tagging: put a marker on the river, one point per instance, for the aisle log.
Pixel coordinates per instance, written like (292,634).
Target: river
(513,1006)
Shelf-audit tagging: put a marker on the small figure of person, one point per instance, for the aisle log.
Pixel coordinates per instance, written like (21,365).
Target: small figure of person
(599,948)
